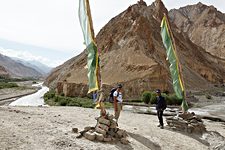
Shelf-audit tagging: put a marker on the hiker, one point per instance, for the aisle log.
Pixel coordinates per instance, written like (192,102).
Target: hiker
(117,100)
(160,107)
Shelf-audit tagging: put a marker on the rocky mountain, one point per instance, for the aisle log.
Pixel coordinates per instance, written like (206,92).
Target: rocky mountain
(15,69)
(3,72)
(132,53)
(205,26)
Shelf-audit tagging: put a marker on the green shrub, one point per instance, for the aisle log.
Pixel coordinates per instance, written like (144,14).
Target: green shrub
(57,100)
(49,95)
(173,100)
(153,99)
(146,96)
(7,85)
(73,103)
(62,102)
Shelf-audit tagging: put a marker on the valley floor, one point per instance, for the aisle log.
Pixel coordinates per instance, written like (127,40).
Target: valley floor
(9,95)
(50,128)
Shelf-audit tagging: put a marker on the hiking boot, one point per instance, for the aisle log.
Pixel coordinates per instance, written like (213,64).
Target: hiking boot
(161,127)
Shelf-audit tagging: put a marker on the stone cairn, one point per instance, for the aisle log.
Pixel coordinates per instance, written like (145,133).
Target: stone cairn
(187,122)
(106,130)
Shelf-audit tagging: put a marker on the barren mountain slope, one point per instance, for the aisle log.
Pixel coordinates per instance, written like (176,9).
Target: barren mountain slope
(16,69)
(132,52)
(3,72)
(205,26)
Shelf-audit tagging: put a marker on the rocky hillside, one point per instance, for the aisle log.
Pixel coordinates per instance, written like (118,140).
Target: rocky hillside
(132,53)
(15,69)
(205,26)
(3,72)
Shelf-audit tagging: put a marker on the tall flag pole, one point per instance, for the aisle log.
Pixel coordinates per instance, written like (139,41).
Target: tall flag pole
(175,70)
(89,39)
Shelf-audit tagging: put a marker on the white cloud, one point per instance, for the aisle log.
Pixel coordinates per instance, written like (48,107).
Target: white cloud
(25,55)
(45,23)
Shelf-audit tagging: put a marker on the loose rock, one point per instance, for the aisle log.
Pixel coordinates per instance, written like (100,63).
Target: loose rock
(187,122)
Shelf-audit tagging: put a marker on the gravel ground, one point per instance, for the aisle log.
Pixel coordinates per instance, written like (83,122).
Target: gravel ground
(49,128)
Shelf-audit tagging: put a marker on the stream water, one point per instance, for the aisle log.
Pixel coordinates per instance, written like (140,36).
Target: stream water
(35,99)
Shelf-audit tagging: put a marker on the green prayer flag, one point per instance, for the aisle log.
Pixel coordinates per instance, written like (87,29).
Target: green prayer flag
(88,33)
(174,62)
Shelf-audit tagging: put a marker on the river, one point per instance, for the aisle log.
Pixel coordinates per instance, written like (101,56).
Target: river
(35,99)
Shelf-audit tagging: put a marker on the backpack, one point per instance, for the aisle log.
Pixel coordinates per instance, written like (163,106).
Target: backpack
(110,99)
(164,104)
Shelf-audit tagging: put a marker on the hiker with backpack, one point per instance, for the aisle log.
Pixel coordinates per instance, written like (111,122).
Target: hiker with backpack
(117,101)
(160,107)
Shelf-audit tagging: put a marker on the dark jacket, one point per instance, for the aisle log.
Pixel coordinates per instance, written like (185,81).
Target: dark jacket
(161,103)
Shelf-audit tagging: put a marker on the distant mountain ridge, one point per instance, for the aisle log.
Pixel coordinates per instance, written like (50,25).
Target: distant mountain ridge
(16,69)
(43,69)
(205,26)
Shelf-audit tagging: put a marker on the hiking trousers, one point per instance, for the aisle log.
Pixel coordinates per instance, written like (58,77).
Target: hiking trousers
(117,113)
(160,116)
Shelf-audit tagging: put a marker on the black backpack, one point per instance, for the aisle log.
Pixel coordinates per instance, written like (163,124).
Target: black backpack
(110,99)
(164,104)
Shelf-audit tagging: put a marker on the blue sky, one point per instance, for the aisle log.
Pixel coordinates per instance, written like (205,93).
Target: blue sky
(49,30)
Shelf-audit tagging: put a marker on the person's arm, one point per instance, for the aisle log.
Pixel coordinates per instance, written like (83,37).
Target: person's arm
(115,101)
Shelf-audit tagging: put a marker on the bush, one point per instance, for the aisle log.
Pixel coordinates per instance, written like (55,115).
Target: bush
(153,99)
(49,95)
(73,103)
(146,96)
(63,102)
(7,85)
(34,82)
(173,100)
(57,100)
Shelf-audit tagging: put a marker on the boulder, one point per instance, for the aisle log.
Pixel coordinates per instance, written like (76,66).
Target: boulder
(99,137)
(90,136)
(104,121)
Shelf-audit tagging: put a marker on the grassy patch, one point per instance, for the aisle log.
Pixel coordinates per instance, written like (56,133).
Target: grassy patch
(58,100)
(4,85)
(2,79)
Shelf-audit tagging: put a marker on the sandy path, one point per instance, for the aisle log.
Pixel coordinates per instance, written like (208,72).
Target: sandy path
(49,128)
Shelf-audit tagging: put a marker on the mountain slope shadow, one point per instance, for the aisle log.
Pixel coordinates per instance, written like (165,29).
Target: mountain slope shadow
(146,142)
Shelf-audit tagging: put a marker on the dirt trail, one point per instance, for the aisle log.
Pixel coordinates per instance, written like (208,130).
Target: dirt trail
(49,128)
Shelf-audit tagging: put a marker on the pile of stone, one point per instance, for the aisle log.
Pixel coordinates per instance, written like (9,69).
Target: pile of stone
(187,122)
(106,130)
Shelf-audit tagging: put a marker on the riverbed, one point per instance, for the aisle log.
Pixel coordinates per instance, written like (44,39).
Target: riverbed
(35,99)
